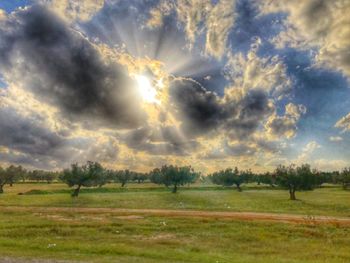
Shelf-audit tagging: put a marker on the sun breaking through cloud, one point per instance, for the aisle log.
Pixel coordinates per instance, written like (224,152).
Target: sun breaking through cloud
(210,84)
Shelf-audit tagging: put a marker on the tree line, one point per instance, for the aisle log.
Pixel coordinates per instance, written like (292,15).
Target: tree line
(93,174)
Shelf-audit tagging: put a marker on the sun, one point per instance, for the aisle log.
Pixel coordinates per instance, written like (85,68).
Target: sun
(147,92)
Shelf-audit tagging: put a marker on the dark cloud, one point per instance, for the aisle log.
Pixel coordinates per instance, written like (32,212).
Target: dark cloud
(163,140)
(24,135)
(61,66)
(253,108)
(29,141)
(203,111)
(282,126)
(200,110)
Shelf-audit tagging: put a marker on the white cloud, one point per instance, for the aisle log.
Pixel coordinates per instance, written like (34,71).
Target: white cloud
(320,24)
(335,138)
(330,165)
(3,14)
(285,126)
(344,123)
(254,72)
(307,152)
(197,17)
(81,10)
(219,22)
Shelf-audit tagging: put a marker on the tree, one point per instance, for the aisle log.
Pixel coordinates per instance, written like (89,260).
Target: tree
(266,178)
(9,176)
(155,176)
(177,176)
(88,175)
(49,176)
(139,177)
(296,178)
(344,178)
(230,177)
(123,176)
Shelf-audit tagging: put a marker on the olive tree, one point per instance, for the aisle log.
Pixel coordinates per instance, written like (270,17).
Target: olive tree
(88,175)
(139,177)
(229,177)
(296,178)
(344,178)
(266,178)
(177,176)
(123,176)
(155,176)
(9,175)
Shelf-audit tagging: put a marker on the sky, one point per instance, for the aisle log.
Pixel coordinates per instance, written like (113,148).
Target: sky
(141,83)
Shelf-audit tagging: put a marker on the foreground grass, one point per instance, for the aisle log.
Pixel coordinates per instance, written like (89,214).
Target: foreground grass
(332,201)
(113,238)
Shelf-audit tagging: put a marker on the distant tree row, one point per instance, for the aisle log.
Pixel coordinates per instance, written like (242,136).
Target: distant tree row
(92,174)
(293,178)
(13,174)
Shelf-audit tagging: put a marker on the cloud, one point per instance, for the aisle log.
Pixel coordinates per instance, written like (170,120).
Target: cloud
(330,165)
(285,126)
(39,51)
(219,22)
(3,15)
(29,140)
(308,151)
(25,135)
(344,123)
(199,110)
(226,150)
(81,10)
(253,72)
(252,109)
(335,138)
(319,24)
(162,140)
(198,17)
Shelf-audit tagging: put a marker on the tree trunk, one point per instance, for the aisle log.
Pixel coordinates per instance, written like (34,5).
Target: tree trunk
(292,194)
(1,188)
(123,184)
(239,188)
(175,189)
(76,191)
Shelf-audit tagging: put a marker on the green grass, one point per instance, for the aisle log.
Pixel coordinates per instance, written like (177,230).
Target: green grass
(109,238)
(324,201)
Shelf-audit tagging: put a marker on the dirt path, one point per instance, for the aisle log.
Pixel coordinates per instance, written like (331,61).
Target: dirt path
(245,216)
(248,216)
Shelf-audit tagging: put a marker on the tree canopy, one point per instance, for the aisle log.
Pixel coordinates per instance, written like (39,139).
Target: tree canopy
(296,178)
(88,175)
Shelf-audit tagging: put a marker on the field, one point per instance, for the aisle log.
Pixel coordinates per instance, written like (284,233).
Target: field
(37,224)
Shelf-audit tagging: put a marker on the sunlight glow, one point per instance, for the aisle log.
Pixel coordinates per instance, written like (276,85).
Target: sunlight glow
(146,90)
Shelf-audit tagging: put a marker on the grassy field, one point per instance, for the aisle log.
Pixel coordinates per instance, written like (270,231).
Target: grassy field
(331,200)
(107,237)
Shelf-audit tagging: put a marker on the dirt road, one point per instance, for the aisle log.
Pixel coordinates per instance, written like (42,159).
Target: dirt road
(245,216)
